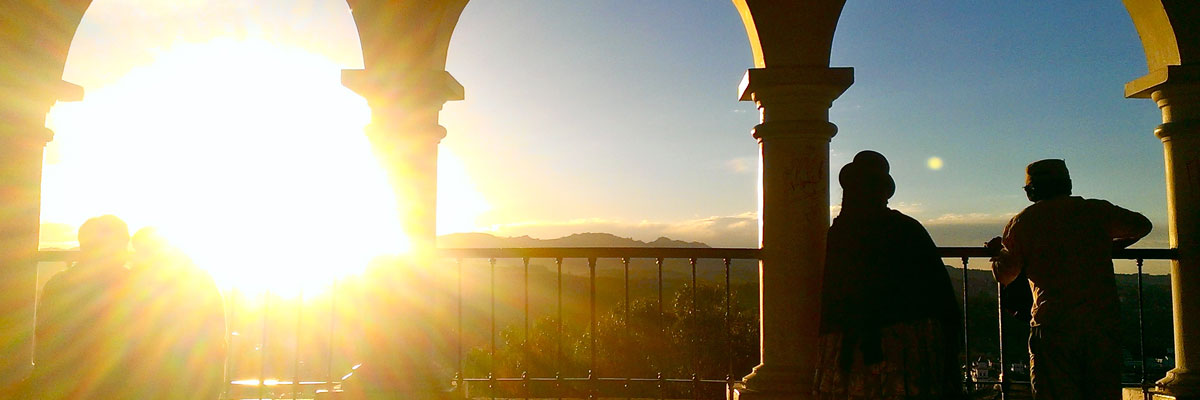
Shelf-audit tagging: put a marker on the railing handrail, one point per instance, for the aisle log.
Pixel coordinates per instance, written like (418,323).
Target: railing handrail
(668,252)
(1123,254)
(601,252)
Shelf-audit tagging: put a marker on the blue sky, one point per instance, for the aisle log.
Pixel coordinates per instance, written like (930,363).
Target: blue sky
(622,116)
(630,108)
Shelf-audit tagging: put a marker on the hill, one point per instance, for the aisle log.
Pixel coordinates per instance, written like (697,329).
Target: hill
(589,239)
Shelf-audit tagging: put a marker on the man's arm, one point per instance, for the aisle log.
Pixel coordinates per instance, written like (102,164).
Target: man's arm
(1006,264)
(1125,227)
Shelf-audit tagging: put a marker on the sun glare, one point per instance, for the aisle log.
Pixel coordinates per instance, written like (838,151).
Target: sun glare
(460,204)
(251,156)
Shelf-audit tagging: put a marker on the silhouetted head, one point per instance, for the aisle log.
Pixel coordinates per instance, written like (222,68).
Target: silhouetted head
(104,240)
(865,181)
(148,240)
(1047,179)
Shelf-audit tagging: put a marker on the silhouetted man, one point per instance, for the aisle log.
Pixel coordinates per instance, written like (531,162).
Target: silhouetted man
(181,337)
(1064,245)
(84,318)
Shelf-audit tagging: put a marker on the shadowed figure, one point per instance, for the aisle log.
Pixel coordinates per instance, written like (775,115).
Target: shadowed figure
(181,338)
(890,323)
(84,321)
(1064,245)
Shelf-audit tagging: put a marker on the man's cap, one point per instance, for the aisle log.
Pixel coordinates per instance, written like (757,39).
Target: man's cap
(1047,171)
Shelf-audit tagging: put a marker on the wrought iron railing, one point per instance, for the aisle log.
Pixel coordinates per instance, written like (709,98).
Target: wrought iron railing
(687,382)
(595,383)
(964,254)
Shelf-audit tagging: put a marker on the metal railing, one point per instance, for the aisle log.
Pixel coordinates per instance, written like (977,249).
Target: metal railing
(592,383)
(595,383)
(964,254)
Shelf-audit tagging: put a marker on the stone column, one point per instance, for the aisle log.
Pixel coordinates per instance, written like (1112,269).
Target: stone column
(1176,90)
(793,220)
(23,137)
(400,354)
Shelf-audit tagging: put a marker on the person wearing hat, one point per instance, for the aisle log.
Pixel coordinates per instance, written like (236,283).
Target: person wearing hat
(1064,245)
(889,320)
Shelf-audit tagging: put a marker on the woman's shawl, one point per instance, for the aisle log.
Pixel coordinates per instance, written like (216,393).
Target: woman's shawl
(882,268)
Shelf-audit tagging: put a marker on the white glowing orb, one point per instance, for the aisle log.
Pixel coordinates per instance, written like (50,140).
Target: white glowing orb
(934,163)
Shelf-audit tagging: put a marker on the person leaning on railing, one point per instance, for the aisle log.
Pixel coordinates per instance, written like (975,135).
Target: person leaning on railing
(1064,245)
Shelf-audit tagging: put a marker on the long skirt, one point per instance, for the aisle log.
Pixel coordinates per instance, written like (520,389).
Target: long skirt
(920,361)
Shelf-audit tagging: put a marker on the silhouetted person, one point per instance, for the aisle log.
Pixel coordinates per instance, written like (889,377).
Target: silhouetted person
(181,340)
(890,323)
(1064,245)
(84,320)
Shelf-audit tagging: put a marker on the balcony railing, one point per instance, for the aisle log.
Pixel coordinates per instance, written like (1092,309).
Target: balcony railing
(698,379)
(581,279)
(1003,381)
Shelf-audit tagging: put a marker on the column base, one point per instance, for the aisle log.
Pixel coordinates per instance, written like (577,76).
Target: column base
(1179,384)
(775,382)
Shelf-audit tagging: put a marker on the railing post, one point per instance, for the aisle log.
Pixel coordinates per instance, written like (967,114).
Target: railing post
(1141,331)
(263,344)
(793,142)
(592,383)
(1176,90)
(966,331)
(1003,378)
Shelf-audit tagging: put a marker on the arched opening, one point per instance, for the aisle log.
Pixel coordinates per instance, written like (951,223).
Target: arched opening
(231,133)
(593,124)
(624,116)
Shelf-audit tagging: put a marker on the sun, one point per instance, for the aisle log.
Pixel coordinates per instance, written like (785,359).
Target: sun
(934,163)
(250,155)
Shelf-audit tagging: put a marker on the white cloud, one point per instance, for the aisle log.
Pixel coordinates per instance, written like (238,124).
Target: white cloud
(741,165)
(971,218)
(971,229)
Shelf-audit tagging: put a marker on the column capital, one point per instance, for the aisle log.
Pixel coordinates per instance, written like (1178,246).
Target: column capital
(25,133)
(24,117)
(1163,78)
(768,84)
(407,89)
(795,101)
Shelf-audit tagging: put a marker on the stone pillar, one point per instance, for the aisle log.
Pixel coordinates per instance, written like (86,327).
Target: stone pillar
(793,220)
(1176,90)
(400,339)
(23,137)
(405,133)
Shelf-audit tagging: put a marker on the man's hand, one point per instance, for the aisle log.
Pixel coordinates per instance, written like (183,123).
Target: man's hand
(1003,268)
(994,246)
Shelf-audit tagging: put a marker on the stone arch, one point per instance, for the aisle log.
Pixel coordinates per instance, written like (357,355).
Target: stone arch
(789,33)
(1168,31)
(1170,39)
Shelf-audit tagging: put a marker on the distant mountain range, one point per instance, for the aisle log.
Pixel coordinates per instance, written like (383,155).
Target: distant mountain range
(590,239)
